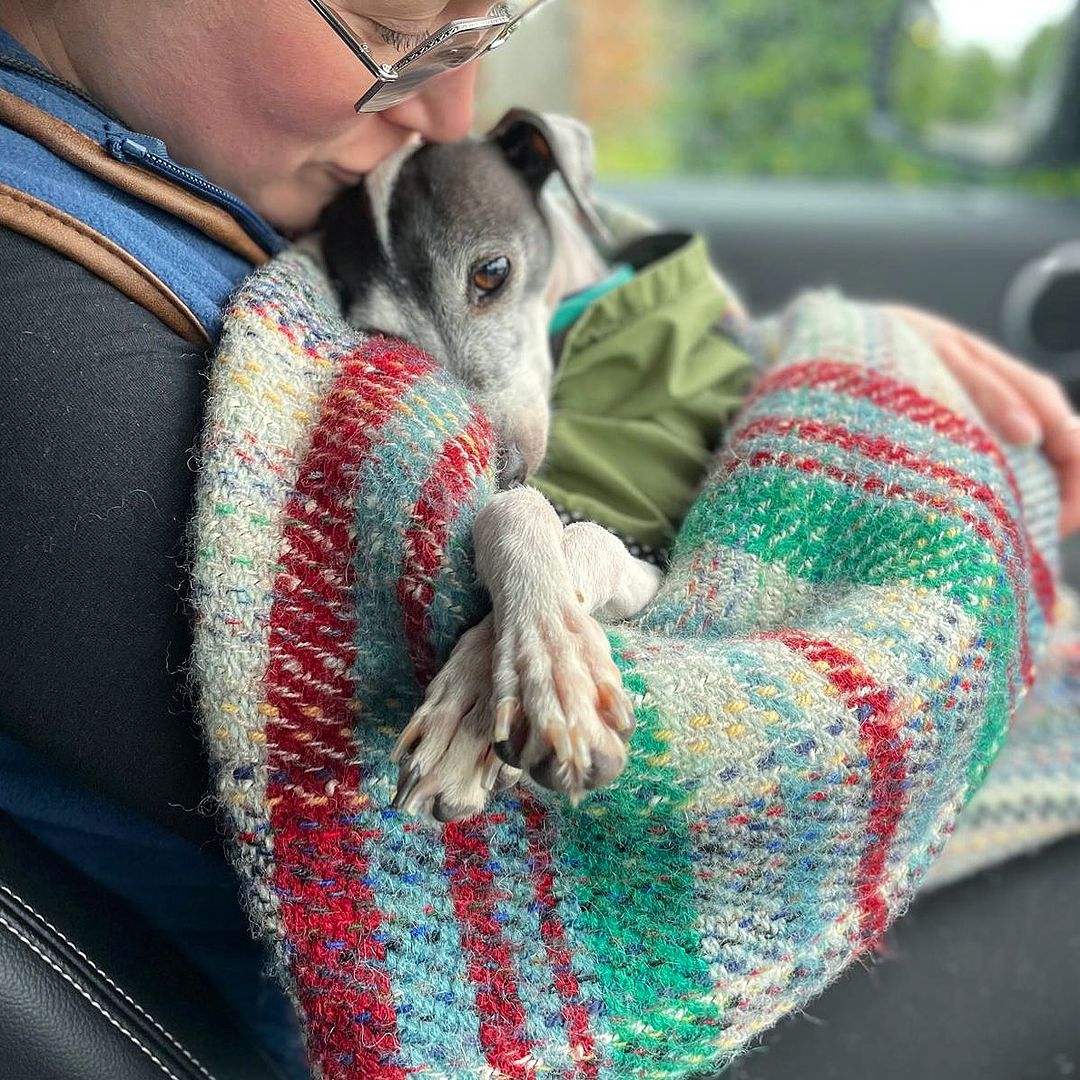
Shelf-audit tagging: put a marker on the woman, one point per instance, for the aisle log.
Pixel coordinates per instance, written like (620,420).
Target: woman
(101,394)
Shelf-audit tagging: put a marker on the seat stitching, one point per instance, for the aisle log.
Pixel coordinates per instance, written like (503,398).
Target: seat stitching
(86,959)
(89,997)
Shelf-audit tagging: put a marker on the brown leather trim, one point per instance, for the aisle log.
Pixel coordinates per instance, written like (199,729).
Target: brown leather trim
(61,232)
(72,145)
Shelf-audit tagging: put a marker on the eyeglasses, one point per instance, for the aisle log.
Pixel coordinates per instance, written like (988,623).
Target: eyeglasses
(456,44)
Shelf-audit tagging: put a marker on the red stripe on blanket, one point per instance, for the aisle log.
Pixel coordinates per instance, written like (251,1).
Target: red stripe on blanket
(904,400)
(488,957)
(338,962)
(879,728)
(557,948)
(879,448)
(452,477)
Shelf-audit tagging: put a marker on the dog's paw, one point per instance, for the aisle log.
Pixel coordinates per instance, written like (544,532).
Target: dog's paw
(447,768)
(561,713)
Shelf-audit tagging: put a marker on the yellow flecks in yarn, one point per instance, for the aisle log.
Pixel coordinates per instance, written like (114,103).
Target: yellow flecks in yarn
(734,706)
(252,365)
(921,542)
(221,732)
(821,665)
(868,625)
(257,736)
(952,532)
(266,709)
(770,716)
(273,398)
(596,811)
(829,690)
(699,747)
(931,519)
(659,760)
(954,662)
(302,415)
(663,736)
(241,380)
(704,720)
(231,709)
(905,625)
(797,677)
(312,712)
(735,731)
(766,691)
(804,701)
(892,595)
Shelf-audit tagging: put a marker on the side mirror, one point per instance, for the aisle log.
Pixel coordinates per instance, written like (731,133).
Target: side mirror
(987,84)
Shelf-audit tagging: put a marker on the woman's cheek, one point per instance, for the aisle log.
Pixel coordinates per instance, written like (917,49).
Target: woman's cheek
(306,94)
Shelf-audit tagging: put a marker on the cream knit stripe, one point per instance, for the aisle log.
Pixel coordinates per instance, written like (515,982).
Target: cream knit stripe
(276,383)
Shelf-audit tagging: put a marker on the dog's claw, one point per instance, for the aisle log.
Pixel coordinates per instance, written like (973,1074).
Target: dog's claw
(505,713)
(408,781)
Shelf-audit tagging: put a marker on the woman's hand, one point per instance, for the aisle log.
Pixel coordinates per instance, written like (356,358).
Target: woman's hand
(1022,405)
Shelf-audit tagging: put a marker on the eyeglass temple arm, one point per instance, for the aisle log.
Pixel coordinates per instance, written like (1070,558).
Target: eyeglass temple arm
(356,47)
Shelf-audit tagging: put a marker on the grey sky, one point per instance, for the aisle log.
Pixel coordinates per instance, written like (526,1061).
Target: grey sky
(1004,26)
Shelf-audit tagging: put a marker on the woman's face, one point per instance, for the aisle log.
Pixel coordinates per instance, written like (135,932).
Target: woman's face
(259,94)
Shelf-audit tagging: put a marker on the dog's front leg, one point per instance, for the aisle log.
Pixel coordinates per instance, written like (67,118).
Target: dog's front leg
(535,675)
(560,711)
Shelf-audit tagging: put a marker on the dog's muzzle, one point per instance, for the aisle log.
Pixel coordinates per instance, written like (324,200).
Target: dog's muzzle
(512,469)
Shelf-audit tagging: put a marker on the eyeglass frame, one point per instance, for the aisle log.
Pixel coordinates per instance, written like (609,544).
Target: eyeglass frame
(387,75)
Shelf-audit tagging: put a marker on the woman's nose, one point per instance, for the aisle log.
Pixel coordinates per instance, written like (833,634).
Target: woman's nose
(443,110)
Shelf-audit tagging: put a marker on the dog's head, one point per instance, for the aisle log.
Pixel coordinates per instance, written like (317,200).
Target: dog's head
(454,247)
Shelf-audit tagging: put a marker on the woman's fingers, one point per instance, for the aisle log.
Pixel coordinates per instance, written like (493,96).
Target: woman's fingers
(1022,405)
(1004,407)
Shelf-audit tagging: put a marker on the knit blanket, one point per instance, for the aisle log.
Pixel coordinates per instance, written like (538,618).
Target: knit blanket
(857,605)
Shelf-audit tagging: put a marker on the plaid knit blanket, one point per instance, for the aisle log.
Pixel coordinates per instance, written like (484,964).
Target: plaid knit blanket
(857,604)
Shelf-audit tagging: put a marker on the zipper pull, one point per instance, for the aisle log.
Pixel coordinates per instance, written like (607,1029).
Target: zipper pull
(125,148)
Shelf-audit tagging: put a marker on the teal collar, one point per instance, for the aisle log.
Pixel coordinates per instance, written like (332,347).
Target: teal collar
(573,306)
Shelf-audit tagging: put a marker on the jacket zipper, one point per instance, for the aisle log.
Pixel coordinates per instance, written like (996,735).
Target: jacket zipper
(126,148)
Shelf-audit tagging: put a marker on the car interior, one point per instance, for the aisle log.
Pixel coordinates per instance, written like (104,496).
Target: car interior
(951,182)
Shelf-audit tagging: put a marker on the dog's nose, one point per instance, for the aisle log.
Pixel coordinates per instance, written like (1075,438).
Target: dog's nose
(512,469)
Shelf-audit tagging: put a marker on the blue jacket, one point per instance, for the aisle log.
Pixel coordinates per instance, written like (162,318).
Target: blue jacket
(199,268)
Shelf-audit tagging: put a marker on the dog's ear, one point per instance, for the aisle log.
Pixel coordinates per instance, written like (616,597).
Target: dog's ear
(539,144)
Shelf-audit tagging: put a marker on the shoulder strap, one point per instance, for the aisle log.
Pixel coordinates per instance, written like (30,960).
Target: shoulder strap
(100,255)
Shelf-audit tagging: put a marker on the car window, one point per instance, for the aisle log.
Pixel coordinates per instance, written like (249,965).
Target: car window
(782,89)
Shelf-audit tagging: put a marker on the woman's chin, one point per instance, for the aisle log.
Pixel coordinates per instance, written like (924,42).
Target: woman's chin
(293,208)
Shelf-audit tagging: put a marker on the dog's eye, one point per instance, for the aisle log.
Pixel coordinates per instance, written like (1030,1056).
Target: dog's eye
(488,278)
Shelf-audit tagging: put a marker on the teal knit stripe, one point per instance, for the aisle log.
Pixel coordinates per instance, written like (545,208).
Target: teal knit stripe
(803,837)
(406,871)
(628,883)
(390,480)
(519,916)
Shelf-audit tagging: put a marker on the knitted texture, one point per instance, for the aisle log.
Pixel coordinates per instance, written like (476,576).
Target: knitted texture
(857,602)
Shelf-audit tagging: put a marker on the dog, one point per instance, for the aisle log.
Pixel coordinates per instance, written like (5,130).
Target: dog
(461,249)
